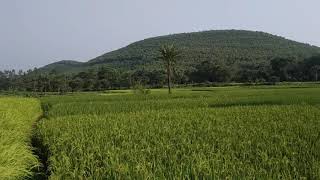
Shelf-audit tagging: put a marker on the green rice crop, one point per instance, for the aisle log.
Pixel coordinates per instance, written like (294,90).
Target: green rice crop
(17,116)
(199,133)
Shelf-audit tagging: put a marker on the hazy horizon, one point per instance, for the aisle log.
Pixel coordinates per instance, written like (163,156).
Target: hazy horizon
(35,33)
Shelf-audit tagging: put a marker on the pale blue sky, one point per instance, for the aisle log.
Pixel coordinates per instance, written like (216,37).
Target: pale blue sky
(34,33)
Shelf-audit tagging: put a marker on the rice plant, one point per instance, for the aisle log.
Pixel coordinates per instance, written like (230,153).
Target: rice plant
(17,116)
(207,133)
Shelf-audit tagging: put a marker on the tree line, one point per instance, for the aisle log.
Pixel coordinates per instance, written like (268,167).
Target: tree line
(104,78)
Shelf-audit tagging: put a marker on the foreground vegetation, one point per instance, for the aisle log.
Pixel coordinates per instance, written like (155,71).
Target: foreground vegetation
(17,116)
(235,132)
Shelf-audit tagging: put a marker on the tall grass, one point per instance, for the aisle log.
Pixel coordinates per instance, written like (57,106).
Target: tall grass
(245,133)
(17,116)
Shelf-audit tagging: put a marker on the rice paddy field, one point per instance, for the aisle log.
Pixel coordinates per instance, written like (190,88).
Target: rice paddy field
(263,132)
(17,116)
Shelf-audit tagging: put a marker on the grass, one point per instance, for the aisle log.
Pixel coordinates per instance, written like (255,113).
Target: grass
(17,116)
(227,132)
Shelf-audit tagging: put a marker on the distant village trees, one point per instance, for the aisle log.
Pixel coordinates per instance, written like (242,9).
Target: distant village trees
(104,78)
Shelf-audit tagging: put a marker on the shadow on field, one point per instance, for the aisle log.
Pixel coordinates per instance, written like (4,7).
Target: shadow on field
(39,149)
(262,103)
(280,87)
(41,172)
(203,90)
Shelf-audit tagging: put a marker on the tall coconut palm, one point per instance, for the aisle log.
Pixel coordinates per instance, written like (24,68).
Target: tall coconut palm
(169,54)
(316,70)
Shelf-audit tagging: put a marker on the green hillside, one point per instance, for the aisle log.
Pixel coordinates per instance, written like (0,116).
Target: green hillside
(227,46)
(63,66)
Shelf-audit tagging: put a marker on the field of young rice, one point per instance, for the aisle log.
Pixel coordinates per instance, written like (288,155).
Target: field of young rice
(17,117)
(234,132)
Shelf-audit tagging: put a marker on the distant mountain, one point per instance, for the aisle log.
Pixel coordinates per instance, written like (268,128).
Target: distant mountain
(227,46)
(63,66)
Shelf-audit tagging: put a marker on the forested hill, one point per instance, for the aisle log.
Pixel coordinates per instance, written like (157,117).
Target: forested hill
(206,57)
(63,66)
(229,47)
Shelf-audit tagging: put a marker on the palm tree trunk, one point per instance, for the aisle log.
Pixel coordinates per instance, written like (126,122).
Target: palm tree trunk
(169,77)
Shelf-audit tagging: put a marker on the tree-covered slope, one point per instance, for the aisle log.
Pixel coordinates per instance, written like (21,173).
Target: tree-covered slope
(226,46)
(63,66)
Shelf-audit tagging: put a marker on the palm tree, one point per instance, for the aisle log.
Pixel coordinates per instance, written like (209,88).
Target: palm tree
(316,69)
(169,55)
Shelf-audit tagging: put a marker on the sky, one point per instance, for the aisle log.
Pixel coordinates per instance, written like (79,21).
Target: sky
(34,33)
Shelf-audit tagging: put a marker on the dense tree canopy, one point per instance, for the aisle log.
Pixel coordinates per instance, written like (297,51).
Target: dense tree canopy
(210,56)
(228,47)
(104,78)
